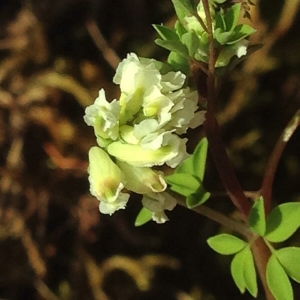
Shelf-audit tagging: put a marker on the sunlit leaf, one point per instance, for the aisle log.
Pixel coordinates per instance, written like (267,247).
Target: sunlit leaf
(257,219)
(143,217)
(278,281)
(243,271)
(226,244)
(237,271)
(249,272)
(183,184)
(289,258)
(195,164)
(283,221)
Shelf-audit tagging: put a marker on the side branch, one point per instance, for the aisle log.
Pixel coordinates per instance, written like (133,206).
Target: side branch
(266,187)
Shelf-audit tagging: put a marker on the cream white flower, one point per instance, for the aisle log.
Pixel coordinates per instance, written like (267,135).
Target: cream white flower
(104,117)
(137,132)
(106,181)
(142,180)
(133,75)
(171,152)
(157,203)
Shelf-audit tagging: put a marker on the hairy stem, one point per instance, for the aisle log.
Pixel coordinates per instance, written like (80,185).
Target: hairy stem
(267,184)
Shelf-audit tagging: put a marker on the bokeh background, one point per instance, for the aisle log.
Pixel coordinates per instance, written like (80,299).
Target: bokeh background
(55,55)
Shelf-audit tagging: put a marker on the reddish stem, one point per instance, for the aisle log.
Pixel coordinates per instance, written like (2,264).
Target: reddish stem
(267,184)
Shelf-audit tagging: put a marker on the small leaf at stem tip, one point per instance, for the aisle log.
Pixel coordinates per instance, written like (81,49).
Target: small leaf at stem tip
(289,258)
(257,219)
(282,222)
(278,281)
(226,244)
(184,7)
(143,217)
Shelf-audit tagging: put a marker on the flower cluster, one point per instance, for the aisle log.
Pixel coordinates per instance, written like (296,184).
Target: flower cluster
(138,131)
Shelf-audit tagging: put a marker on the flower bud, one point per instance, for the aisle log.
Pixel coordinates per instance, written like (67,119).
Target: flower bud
(106,181)
(142,180)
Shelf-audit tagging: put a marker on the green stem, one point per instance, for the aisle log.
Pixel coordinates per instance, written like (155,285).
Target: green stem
(217,217)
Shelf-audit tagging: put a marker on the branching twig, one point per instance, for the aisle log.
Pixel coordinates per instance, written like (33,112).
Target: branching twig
(217,217)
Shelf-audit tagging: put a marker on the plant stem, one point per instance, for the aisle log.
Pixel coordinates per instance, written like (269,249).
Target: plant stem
(218,217)
(213,134)
(225,169)
(266,187)
(261,254)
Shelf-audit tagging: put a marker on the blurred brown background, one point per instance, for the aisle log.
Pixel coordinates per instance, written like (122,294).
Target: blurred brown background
(55,55)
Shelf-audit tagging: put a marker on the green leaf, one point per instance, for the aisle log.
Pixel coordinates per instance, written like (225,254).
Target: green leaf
(191,41)
(232,17)
(183,184)
(283,221)
(249,272)
(226,244)
(195,164)
(243,271)
(257,219)
(184,7)
(166,33)
(173,45)
(143,217)
(240,32)
(221,37)
(180,29)
(277,280)
(220,21)
(237,271)
(198,198)
(289,258)
(178,62)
